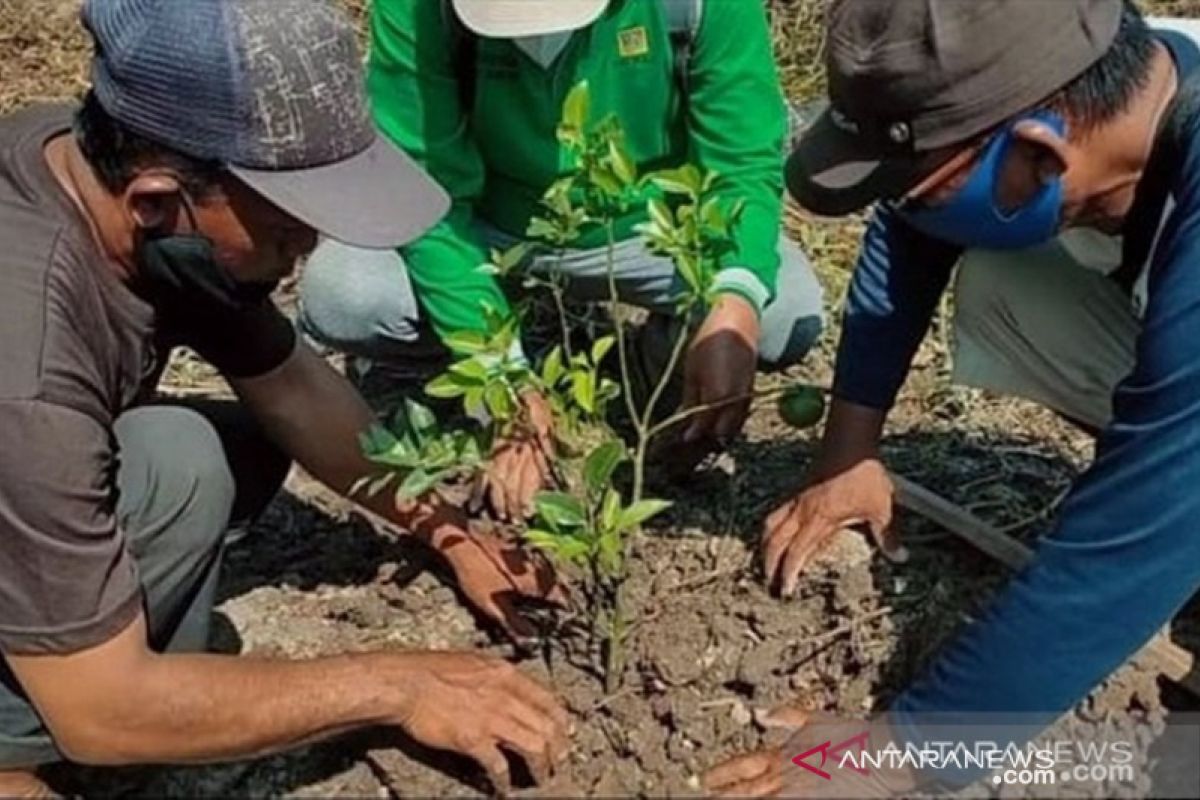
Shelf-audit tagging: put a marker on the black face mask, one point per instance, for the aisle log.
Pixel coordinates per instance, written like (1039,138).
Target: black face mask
(182,268)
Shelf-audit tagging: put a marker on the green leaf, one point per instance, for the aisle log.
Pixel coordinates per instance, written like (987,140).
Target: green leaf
(641,512)
(622,164)
(543,540)
(543,229)
(552,367)
(604,180)
(609,390)
(610,510)
(697,181)
(709,181)
(376,439)
(686,265)
(518,375)
(577,107)
(471,370)
(499,403)
(575,549)
(488,269)
(467,343)
(416,484)
(610,552)
(661,214)
(470,453)
(601,463)
(560,510)
(583,390)
(419,418)
(473,400)
(558,197)
(735,214)
(674,182)
(510,259)
(601,347)
(445,387)
(712,215)
(400,459)
(563,546)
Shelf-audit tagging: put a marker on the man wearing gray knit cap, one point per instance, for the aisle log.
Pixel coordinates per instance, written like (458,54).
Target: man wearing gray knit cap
(219,138)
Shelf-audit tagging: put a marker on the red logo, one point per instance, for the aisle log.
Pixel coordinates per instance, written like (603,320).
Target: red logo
(827,749)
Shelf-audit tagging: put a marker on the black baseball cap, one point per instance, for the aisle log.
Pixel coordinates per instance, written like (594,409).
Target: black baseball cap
(273,90)
(908,77)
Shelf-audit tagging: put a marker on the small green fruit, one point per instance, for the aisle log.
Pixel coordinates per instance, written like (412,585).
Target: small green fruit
(802,406)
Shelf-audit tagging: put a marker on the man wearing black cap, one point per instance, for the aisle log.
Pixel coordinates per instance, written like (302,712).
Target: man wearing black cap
(218,139)
(997,126)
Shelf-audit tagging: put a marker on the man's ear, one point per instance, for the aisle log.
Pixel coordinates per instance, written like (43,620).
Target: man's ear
(1053,150)
(152,200)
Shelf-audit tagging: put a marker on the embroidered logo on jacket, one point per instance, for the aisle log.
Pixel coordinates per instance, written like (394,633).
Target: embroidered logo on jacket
(633,42)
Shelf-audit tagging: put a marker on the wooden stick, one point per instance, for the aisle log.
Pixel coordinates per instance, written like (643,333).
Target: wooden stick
(1161,653)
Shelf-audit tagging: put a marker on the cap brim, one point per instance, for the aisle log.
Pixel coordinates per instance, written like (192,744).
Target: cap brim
(378,199)
(831,172)
(508,19)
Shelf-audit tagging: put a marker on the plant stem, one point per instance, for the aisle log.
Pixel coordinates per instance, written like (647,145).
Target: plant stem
(639,467)
(614,667)
(645,428)
(688,413)
(560,306)
(615,298)
(665,378)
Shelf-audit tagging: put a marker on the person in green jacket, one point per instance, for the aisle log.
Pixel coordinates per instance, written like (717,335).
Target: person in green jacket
(473,90)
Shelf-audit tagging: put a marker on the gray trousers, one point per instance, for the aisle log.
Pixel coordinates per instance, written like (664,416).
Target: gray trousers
(1040,325)
(362,303)
(187,475)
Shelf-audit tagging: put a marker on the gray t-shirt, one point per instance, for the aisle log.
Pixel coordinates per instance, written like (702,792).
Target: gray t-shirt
(77,348)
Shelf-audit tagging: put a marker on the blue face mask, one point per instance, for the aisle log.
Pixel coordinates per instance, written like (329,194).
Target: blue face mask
(971,217)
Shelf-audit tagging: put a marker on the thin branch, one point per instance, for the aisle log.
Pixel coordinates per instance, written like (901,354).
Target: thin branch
(615,299)
(663,380)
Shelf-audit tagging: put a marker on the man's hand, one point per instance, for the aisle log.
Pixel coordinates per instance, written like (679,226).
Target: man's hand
(480,706)
(26,785)
(756,774)
(821,741)
(520,467)
(720,366)
(121,703)
(833,500)
(492,572)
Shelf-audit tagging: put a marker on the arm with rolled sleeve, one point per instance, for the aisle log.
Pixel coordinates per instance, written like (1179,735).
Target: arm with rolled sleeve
(1125,554)
(898,280)
(737,122)
(413,86)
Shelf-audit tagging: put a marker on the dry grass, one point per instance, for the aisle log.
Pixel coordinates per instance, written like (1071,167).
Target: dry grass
(43,52)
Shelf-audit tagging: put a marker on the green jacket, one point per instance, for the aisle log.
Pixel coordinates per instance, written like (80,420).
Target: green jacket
(498,158)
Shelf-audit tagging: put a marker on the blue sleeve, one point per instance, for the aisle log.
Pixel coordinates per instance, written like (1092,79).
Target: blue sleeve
(899,278)
(1125,554)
